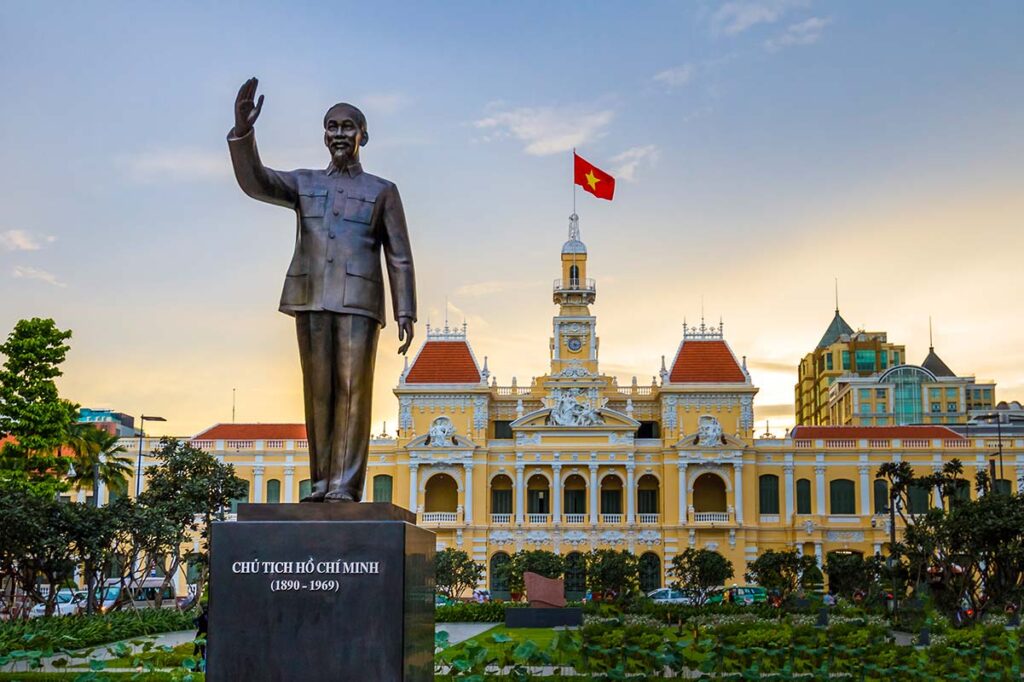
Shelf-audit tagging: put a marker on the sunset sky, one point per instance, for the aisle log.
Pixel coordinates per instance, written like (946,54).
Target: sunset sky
(762,149)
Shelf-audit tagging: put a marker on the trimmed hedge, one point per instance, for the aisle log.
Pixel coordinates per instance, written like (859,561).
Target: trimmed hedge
(473,612)
(69,677)
(77,632)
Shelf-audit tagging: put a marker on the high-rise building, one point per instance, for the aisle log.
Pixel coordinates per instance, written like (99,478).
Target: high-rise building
(841,352)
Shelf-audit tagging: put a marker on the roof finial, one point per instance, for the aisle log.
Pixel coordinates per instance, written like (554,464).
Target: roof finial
(837,295)
(446,314)
(931,345)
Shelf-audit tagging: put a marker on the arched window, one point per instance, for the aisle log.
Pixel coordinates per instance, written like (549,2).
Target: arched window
(575,492)
(709,494)
(244,497)
(881,496)
(273,491)
(382,485)
(574,275)
(611,495)
(501,495)
(538,497)
(441,494)
(499,586)
(842,497)
(768,494)
(575,576)
(647,495)
(803,496)
(650,572)
(305,488)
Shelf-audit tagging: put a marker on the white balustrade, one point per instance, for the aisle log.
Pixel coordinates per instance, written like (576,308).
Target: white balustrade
(711,517)
(440,517)
(538,518)
(611,518)
(574,518)
(649,518)
(501,519)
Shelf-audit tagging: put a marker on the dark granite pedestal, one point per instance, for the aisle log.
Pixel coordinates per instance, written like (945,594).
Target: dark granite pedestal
(531,617)
(332,592)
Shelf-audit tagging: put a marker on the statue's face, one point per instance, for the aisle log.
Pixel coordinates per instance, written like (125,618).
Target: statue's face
(343,136)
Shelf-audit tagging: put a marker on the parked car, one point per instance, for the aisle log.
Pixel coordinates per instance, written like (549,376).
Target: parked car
(69,602)
(747,595)
(667,595)
(142,596)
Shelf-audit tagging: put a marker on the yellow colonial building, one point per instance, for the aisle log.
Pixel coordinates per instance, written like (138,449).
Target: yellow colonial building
(574,461)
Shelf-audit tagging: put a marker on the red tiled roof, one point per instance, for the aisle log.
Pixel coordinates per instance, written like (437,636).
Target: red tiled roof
(881,432)
(253,432)
(706,362)
(444,362)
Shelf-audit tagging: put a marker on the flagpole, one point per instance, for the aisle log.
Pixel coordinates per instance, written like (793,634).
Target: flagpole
(574,180)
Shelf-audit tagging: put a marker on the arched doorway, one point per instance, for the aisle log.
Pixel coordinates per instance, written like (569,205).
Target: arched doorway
(575,499)
(501,499)
(650,572)
(538,499)
(647,504)
(499,585)
(575,577)
(611,499)
(709,498)
(441,499)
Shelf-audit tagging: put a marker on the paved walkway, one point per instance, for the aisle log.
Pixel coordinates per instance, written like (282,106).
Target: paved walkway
(457,632)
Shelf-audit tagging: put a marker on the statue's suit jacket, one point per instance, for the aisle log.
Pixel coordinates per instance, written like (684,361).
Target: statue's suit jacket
(344,219)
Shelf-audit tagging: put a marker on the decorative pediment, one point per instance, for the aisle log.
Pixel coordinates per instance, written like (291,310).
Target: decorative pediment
(609,420)
(457,444)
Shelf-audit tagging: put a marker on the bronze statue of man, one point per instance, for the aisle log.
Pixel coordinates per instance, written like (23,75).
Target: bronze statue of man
(334,287)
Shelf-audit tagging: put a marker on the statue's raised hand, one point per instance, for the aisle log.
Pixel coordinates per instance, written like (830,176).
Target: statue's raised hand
(246,110)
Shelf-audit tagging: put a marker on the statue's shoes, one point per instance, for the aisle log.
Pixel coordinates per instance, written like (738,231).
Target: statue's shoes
(314,497)
(338,496)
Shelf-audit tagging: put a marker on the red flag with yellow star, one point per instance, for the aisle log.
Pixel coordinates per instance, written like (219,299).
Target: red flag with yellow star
(593,179)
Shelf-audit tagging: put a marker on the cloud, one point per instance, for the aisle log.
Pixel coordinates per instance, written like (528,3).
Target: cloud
(20,240)
(805,32)
(773,366)
(629,160)
(547,130)
(178,164)
(734,18)
(675,77)
(384,102)
(25,272)
(779,410)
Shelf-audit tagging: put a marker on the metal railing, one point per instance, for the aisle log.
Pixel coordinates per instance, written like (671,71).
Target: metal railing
(574,284)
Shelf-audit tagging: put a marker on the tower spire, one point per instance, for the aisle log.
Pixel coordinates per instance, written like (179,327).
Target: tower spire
(931,344)
(837,295)
(574,227)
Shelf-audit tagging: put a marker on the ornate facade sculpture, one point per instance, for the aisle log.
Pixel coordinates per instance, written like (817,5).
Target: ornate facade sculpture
(709,432)
(441,432)
(569,411)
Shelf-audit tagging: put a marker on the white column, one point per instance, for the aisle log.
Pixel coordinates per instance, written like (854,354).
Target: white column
(865,490)
(520,493)
(877,548)
(630,495)
(101,494)
(1020,478)
(556,493)
(257,484)
(819,554)
(937,491)
(468,483)
(414,484)
(799,547)
(819,486)
(593,494)
(787,471)
(683,504)
(289,483)
(737,496)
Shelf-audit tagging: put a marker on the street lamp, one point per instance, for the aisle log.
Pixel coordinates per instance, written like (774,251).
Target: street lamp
(138,470)
(999,435)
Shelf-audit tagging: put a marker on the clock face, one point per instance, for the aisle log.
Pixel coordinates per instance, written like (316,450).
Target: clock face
(574,344)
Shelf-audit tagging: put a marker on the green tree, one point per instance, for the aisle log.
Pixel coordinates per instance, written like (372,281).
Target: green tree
(539,561)
(185,491)
(782,572)
(96,457)
(701,572)
(455,572)
(612,574)
(850,573)
(31,410)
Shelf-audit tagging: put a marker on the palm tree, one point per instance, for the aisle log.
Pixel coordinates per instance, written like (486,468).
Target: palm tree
(96,454)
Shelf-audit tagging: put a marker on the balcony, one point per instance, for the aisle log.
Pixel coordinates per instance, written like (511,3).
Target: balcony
(611,518)
(711,517)
(538,519)
(768,518)
(648,519)
(574,519)
(501,519)
(440,518)
(578,291)
(574,284)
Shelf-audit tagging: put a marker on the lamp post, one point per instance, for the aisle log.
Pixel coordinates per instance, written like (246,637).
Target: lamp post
(999,436)
(138,470)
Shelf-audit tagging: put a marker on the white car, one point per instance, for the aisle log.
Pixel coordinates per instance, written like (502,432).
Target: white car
(666,595)
(68,603)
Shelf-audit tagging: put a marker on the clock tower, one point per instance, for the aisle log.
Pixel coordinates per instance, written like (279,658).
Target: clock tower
(574,344)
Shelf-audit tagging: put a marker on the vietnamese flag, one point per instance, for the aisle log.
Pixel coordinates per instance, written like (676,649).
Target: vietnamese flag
(593,179)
